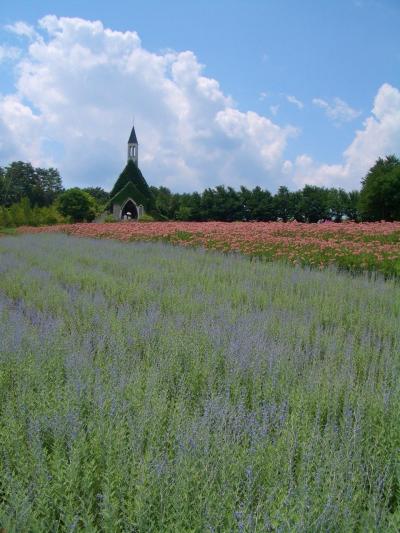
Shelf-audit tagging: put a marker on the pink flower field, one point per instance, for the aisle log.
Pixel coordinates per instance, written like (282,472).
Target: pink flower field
(367,246)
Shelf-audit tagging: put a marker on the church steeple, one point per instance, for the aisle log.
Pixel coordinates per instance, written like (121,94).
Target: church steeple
(133,147)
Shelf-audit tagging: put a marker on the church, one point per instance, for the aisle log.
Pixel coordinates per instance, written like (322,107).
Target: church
(131,197)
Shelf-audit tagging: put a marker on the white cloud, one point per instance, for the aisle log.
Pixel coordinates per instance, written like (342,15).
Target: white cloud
(9,53)
(78,87)
(339,111)
(295,101)
(22,29)
(263,95)
(256,136)
(379,137)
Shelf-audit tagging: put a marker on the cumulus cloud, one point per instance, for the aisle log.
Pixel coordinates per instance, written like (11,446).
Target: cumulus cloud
(80,84)
(295,101)
(339,111)
(379,136)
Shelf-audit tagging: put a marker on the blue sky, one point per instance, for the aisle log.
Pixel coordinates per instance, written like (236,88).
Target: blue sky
(253,92)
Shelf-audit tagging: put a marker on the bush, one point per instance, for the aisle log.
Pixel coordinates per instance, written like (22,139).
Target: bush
(5,218)
(47,216)
(109,219)
(77,205)
(146,218)
(22,214)
(18,215)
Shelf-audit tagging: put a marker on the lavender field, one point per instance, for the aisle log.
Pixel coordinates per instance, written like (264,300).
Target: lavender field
(151,388)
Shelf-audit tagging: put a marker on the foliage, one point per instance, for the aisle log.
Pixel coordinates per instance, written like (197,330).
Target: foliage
(184,213)
(151,388)
(129,191)
(379,198)
(22,214)
(165,201)
(380,193)
(286,205)
(21,180)
(146,218)
(110,219)
(311,204)
(139,189)
(99,194)
(6,220)
(77,204)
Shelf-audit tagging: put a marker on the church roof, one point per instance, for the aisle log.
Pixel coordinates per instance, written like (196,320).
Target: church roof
(132,137)
(132,183)
(128,191)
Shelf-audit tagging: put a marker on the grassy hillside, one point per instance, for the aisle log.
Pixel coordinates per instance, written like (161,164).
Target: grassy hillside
(146,387)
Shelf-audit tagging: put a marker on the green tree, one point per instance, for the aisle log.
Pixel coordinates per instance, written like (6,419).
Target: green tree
(257,204)
(314,203)
(227,204)
(221,203)
(380,192)
(47,186)
(77,205)
(286,204)
(208,210)
(17,182)
(21,180)
(165,201)
(194,203)
(353,202)
(98,193)
(337,201)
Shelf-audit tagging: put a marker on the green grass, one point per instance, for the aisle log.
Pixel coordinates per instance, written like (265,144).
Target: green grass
(146,387)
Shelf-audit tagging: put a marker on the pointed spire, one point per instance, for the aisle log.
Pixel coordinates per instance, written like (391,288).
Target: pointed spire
(132,137)
(133,147)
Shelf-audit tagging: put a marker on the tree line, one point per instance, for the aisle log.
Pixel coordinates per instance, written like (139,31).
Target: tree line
(310,204)
(378,199)
(36,196)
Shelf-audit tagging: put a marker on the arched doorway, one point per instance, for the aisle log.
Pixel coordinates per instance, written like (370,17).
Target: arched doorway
(129,210)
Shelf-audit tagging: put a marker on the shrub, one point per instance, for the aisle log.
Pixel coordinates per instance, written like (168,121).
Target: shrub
(22,214)
(18,215)
(146,218)
(77,205)
(110,219)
